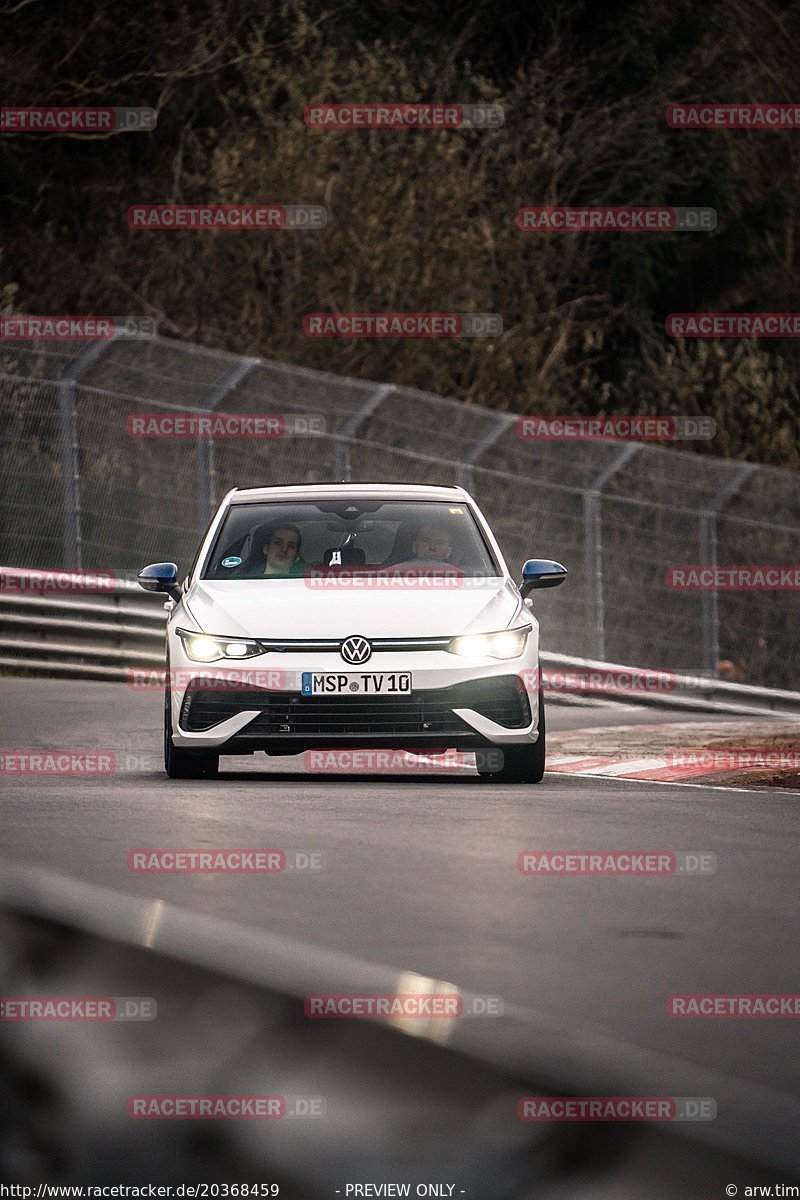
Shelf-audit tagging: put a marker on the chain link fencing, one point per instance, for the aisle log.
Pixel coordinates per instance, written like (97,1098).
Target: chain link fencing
(78,492)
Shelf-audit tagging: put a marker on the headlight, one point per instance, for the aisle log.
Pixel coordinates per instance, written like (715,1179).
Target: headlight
(508,644)
(202,648)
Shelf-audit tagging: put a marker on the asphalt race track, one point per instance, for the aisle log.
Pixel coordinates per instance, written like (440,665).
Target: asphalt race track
(421,873)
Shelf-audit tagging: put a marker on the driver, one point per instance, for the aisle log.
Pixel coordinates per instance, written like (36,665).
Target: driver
(281,550)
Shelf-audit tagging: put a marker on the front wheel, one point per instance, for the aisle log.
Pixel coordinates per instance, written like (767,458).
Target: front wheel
(522,765)
(180,763)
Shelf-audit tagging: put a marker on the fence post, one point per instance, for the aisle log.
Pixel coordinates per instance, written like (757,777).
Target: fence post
(206,491)
(708,558)
(346,430)
(593,551)
(466,474)
(69,449)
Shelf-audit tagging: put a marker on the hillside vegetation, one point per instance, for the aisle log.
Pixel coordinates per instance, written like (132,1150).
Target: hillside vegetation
(424,221)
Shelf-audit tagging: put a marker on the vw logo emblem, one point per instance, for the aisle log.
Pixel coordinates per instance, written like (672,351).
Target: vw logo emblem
(356,650)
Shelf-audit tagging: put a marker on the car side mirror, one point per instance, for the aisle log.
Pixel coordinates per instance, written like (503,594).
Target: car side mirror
(160,577)
(541,573)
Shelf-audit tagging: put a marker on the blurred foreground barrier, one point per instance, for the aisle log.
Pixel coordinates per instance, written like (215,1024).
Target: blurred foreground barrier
(413,1103)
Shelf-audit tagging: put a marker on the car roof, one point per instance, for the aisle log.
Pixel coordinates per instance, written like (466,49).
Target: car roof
(331,491)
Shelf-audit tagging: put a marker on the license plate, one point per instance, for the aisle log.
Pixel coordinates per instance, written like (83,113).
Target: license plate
(367,683)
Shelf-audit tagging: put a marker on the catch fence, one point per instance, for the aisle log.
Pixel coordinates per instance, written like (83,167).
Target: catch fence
(79,492)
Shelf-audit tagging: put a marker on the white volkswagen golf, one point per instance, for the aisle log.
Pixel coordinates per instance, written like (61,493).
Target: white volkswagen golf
(355,616)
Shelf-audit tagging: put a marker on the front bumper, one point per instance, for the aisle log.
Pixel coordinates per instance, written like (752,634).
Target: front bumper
(455,703)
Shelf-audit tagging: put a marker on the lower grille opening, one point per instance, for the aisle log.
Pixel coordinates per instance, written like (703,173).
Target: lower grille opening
(503,700)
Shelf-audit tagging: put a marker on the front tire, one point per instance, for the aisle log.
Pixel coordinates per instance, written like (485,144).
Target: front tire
(180,763)
(525,765)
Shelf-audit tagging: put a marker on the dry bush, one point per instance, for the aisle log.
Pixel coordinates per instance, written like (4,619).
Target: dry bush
(424,221)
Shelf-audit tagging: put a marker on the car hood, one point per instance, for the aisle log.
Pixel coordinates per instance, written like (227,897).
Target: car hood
(291,609)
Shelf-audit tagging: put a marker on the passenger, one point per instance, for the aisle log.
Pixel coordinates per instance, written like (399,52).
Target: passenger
(431,544)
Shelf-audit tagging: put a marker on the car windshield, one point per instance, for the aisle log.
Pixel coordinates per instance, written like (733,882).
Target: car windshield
(279,540)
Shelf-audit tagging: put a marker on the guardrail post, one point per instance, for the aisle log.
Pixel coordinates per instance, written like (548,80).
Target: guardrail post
(69,449)
(593,550)
(708,558)
(206,473)
(347,429)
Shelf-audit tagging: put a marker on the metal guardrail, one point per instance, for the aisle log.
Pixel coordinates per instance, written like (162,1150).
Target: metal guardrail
(637,685)
(96,634)
(111,632)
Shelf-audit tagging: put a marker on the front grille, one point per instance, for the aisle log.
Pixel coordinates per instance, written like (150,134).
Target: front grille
(503,700)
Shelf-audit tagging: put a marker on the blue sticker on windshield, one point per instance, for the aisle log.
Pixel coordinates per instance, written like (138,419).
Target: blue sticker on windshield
(232,561)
